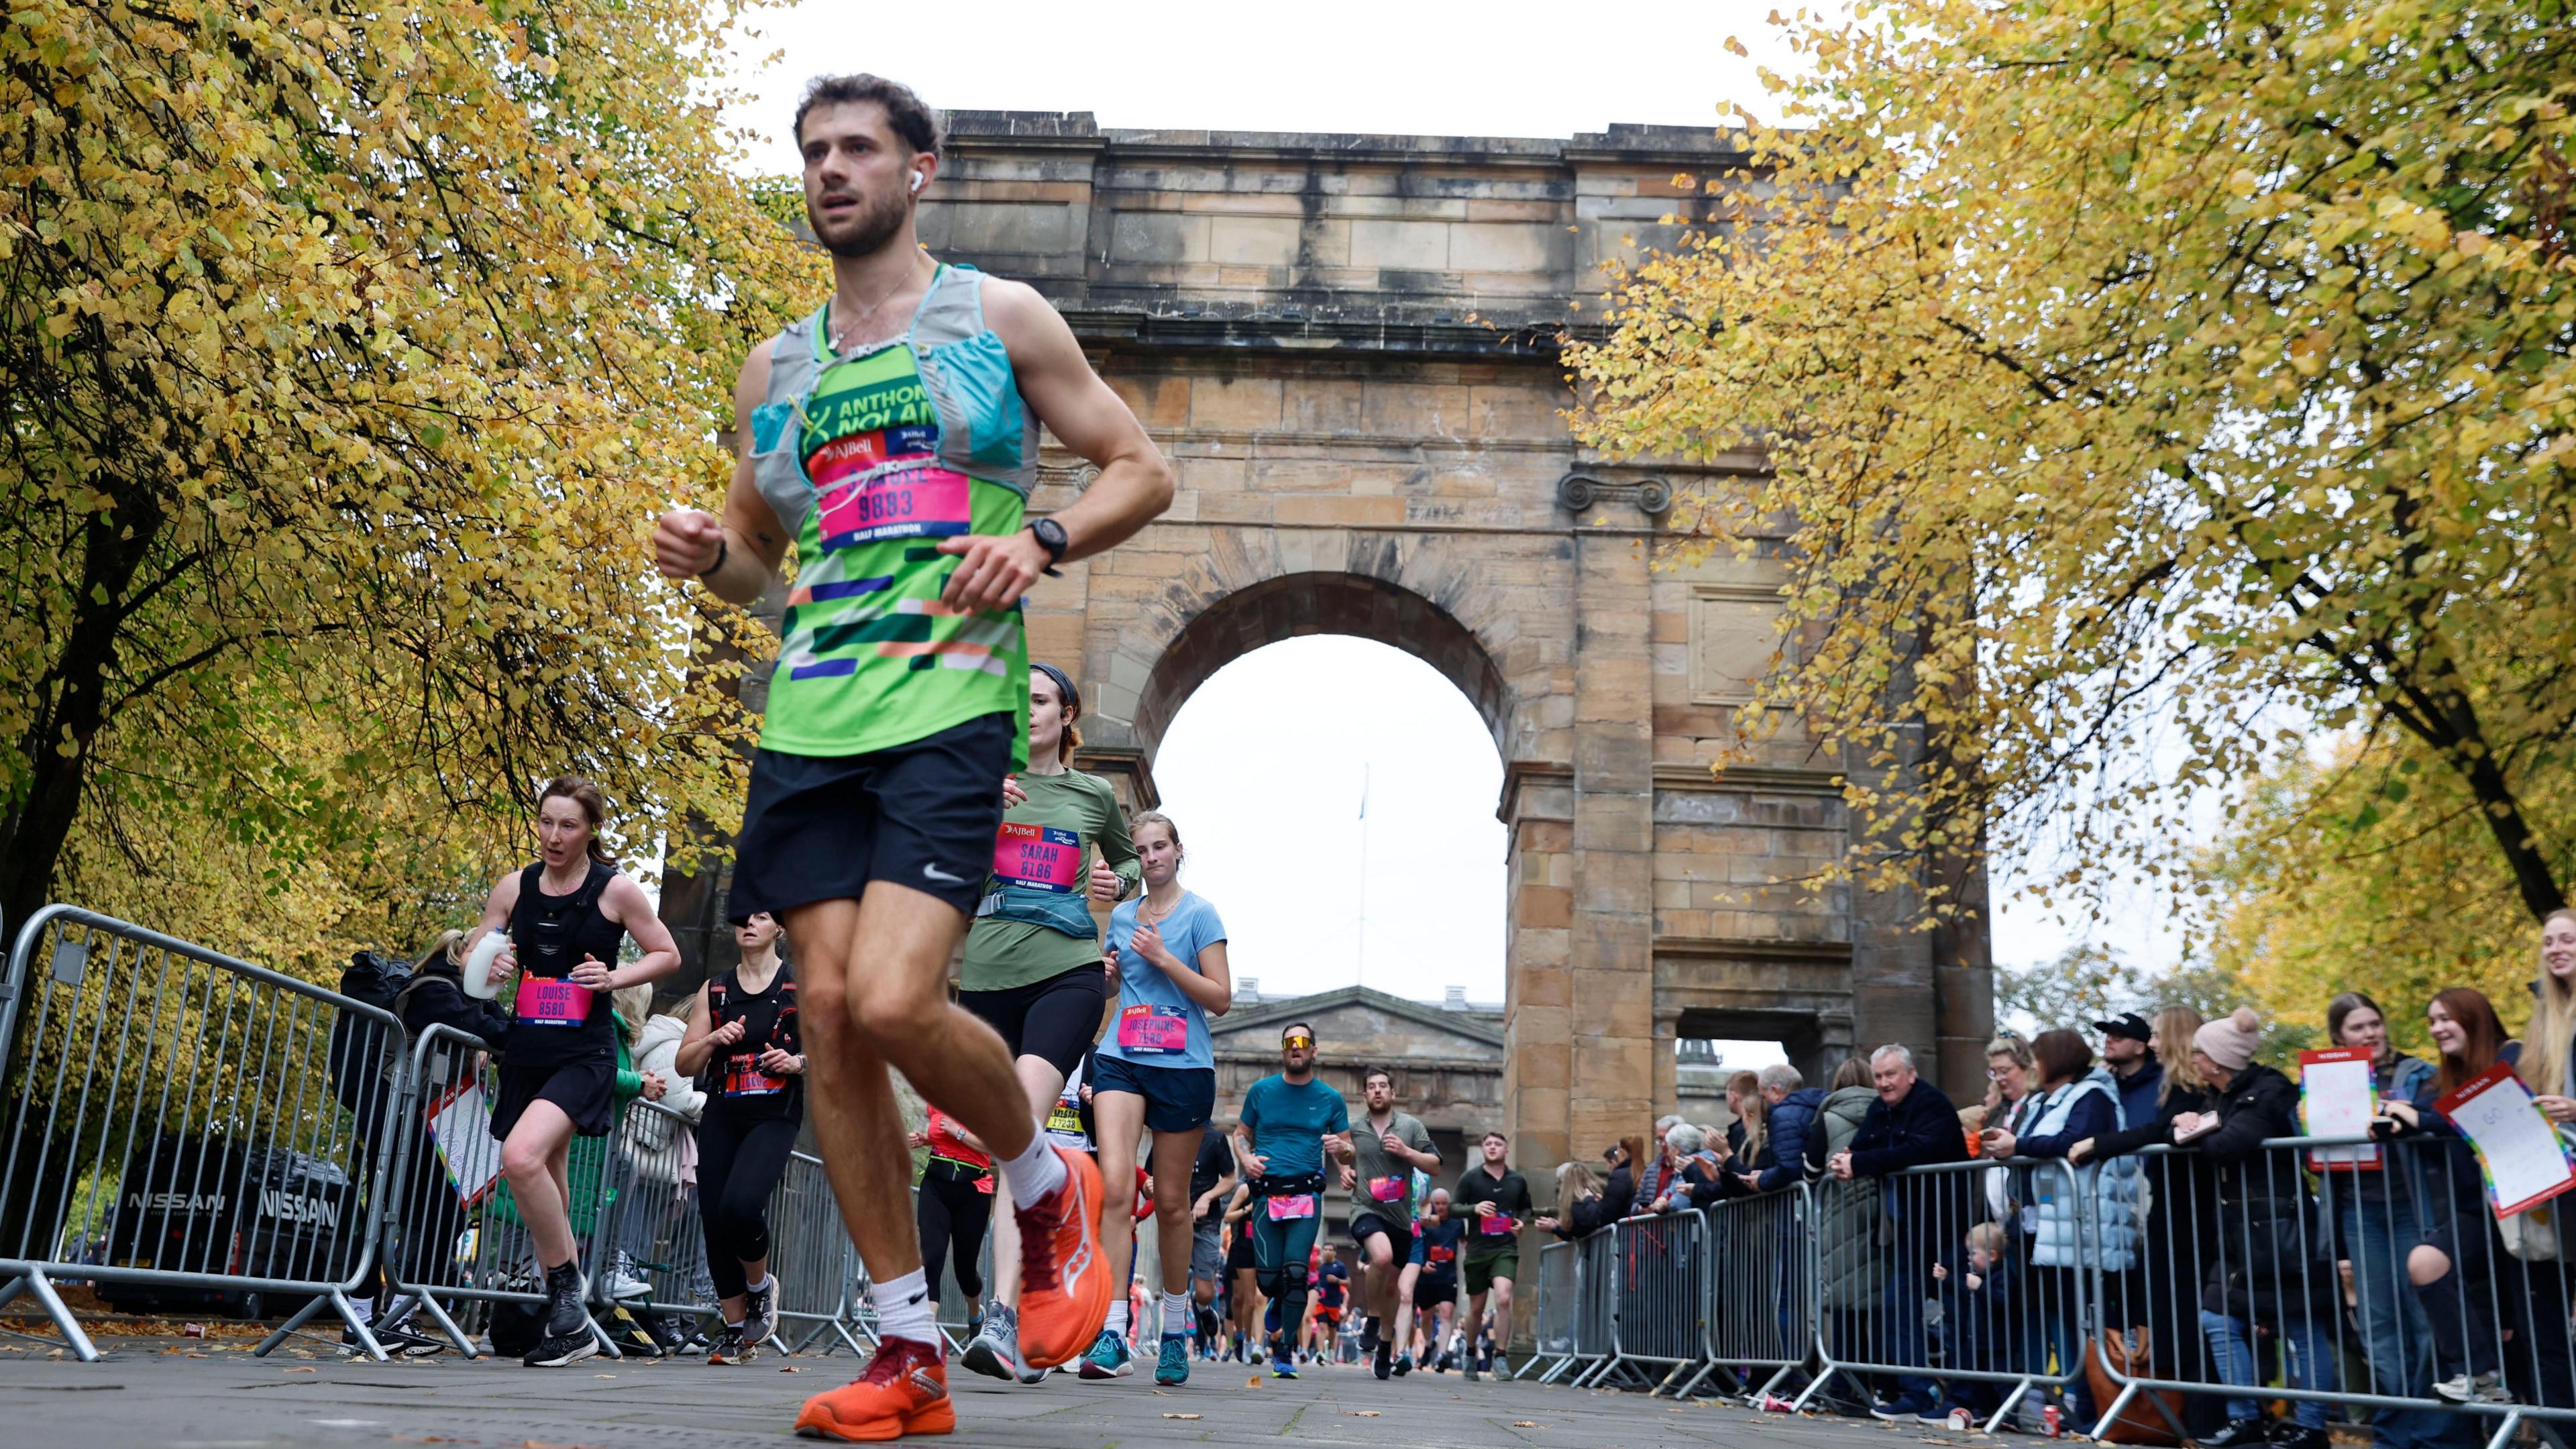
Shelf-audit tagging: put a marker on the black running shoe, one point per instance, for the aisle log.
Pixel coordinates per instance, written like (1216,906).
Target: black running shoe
(1384,1353)
(760,1313)
(729,1347)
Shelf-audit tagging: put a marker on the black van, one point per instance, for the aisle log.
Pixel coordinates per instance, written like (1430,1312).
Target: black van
(195,1203)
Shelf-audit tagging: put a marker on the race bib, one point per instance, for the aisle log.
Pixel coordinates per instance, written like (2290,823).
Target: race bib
(1493,1226)
(1065,1117)
(908,498)
(1039,857)
(1441,1255)
(551,1001)
(1387,1189)
(744,1078)
(1290,1209)
(1143,1028)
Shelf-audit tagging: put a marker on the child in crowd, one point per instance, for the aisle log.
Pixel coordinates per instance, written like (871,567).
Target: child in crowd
(1977,1308)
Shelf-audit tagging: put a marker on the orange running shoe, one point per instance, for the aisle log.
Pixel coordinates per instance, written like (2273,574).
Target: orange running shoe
(904,1391)
(1064,1277)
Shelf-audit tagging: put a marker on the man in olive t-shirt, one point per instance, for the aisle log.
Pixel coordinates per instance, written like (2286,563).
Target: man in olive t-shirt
(1386,1150)
(1495,1201)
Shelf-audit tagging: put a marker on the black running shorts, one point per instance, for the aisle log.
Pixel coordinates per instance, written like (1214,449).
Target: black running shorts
(1055,1020)
(819,828)
(583,1089)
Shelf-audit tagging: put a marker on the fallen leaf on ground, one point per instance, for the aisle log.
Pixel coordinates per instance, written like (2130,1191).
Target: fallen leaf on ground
(790,1369)
(1523,1424)
(1361,1413)
(1253,1382)
(1180,1416)
(299,1371)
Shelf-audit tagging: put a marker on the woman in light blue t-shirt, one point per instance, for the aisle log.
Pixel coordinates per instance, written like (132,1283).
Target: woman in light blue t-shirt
(1155,1069)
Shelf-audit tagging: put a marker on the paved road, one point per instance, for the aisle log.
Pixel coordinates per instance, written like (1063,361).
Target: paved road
(152,1392)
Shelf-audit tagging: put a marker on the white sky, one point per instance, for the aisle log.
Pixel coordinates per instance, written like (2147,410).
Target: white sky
(1435,902)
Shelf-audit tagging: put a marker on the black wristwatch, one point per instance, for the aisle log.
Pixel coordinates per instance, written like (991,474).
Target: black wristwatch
(1050,536)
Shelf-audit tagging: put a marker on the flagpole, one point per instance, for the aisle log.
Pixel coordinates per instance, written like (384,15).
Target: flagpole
(1364,877)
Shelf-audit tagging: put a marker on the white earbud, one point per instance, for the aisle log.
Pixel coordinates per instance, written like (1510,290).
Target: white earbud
(916,183)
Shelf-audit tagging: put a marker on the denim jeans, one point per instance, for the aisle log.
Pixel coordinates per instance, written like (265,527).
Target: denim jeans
(2379,1232)
(2311,1362)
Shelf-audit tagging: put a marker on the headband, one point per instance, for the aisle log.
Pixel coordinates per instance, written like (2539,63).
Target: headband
(1063,684)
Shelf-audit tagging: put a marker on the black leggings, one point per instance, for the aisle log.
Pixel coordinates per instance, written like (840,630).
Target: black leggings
(952,1216)
(739,1164)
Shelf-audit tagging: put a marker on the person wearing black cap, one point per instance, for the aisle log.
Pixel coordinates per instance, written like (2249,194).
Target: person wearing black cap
(1033,967)
(2128,1049)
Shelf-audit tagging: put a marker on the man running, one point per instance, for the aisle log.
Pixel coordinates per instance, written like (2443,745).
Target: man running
(1496,1201)
(1332,1291)
(892,438)
(1287,1122)
(1394,1147)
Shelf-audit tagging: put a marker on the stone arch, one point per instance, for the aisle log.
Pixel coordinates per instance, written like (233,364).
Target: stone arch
(1295,605)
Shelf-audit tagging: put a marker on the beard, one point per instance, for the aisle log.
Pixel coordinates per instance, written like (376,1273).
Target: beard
(866,231)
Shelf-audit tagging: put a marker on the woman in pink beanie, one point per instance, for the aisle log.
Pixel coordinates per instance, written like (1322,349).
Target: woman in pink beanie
(2279,1279)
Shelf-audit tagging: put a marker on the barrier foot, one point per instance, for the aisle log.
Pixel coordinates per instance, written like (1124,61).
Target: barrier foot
(1815,1386)
(438,1314)
(2504,1431)
(607,1345)
(1552,1375)
(338,1302)
(2111,1416)
(841,1331)
(1688,1389)
(34,1282)
(810,1339)
(2010,1400)
(1666,1381)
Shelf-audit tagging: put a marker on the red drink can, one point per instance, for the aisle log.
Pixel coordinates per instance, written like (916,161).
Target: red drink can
(2049,1416)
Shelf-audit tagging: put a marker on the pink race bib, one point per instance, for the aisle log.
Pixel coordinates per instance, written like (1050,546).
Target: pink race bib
(1035,855)
(902,500)
(1493,1226)
(1289,1209)
(552,1001)
(1387,1189)
(1143,1028)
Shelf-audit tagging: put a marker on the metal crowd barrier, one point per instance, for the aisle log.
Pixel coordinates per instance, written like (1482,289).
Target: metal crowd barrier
(1894,1262)
(1596,1299)
(1660,1263)
(1552,1311)
(179,1139)
(1758,1286)
(2310,1252)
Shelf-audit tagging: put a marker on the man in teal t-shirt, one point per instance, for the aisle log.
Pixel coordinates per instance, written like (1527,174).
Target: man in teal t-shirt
(1288,1122)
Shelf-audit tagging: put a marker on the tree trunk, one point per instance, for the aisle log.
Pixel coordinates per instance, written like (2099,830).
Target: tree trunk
(74,707)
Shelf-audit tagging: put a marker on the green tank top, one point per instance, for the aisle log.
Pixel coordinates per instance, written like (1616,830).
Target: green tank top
(872,476)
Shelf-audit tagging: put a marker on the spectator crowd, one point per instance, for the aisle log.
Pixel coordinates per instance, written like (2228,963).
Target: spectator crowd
(2122,1205)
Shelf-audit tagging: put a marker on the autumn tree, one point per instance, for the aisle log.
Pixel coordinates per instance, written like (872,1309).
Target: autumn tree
(350,352)
(2143,387)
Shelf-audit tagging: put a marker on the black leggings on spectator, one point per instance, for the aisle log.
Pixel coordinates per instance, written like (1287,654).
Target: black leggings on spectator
(952,1214)
(739,1164)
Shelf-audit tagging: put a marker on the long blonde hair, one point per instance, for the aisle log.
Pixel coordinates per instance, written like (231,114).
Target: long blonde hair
(1757,1123)
(1574,1183)
(2545,1042)
(2175,1027)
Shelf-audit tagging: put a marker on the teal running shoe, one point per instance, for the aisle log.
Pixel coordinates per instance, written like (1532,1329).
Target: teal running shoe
(1175,1365)
(1108,1357)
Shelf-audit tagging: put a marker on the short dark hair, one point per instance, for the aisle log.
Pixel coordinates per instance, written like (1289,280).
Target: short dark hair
(1373,1073)
(1293,1027)
(912,118)
(1495,1132)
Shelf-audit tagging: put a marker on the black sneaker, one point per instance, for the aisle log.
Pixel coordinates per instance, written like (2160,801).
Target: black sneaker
(2292,1435)
(1368,1336)
(2239,1434)
(729,1347)
(760,1313)
(568,1335)
(1384,1354)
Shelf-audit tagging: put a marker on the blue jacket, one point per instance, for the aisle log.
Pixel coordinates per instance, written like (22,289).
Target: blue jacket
(1786,1146)
(2138,1093)
(2086,1107)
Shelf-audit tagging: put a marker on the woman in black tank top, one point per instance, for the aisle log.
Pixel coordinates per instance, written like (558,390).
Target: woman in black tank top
(566,915)
(742,1046)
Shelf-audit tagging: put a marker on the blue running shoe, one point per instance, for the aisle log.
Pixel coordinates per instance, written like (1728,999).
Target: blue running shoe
(1108,1357)
(1175,1366)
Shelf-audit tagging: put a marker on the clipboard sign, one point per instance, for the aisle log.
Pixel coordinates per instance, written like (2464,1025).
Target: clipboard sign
(2338,1097)
(2520,1154)
(460,1125)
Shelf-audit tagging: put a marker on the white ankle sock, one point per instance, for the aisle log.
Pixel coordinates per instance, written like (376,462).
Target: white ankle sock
(1117,1318)
(760,1286)
(1035,1174)
(1177,1315)
(904,1309)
